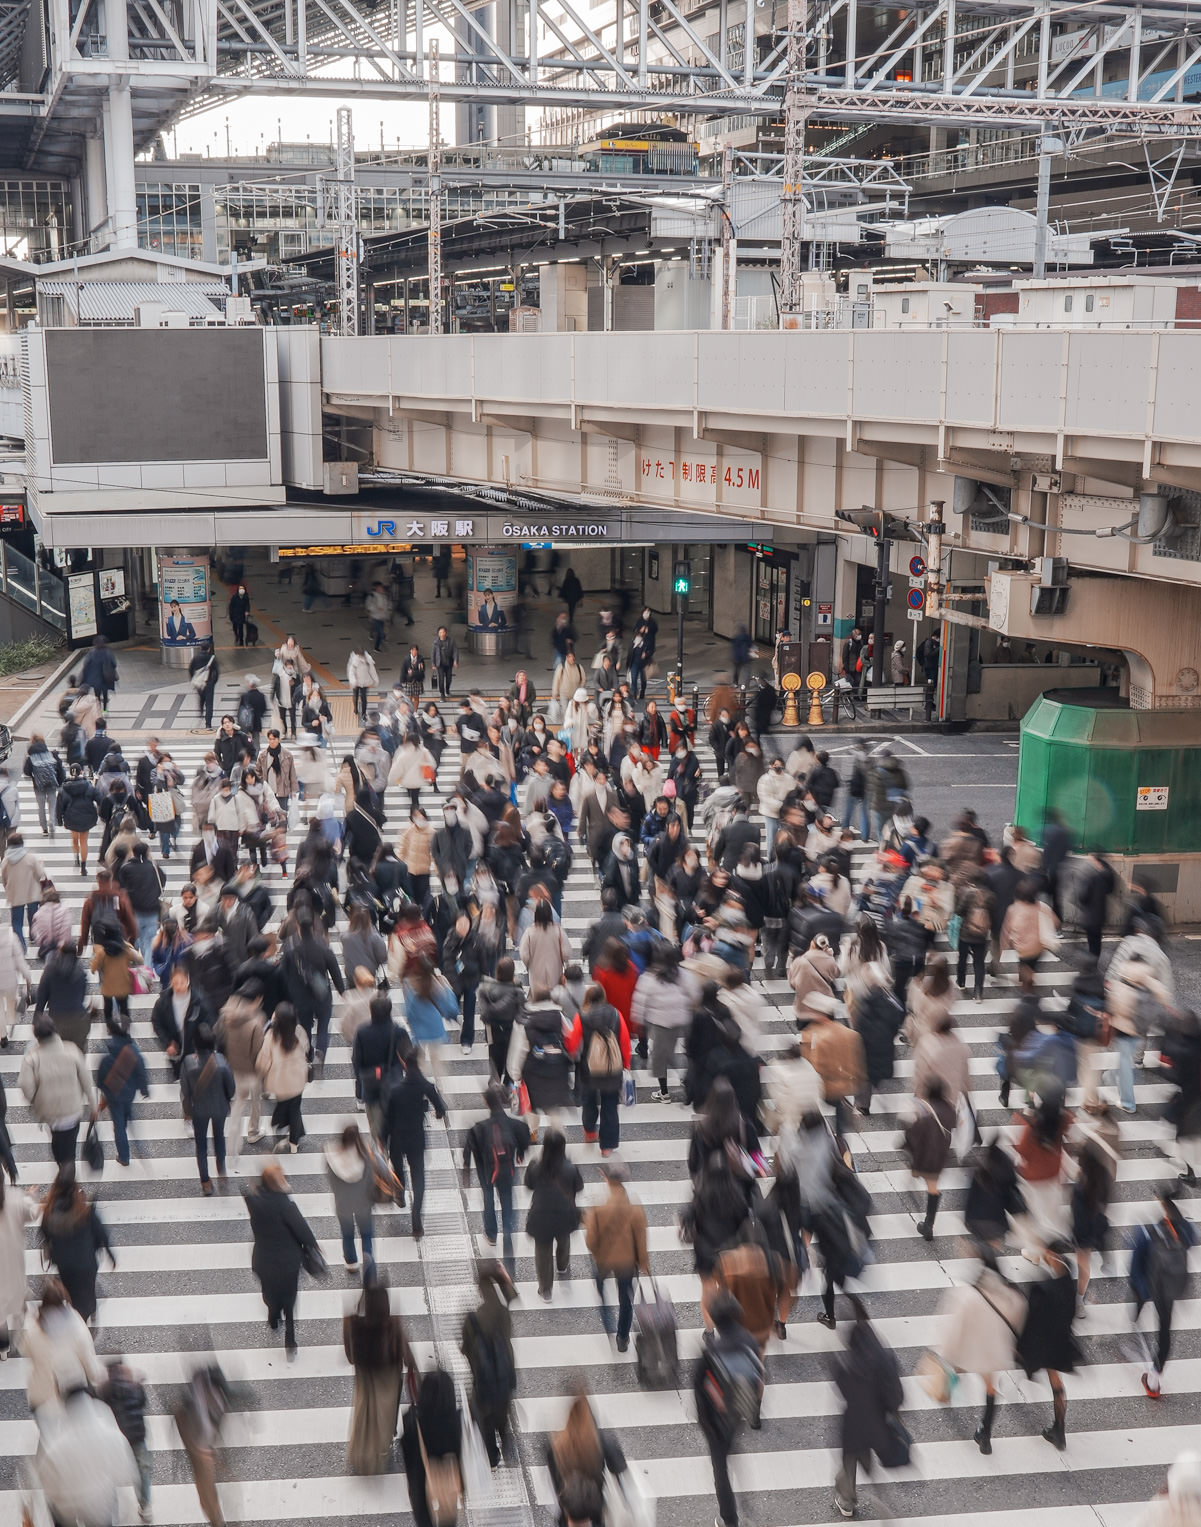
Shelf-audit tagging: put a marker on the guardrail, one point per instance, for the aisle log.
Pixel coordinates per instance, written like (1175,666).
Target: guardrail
(43,593)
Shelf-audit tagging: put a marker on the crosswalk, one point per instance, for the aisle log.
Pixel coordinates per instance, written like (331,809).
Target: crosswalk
(183,1287)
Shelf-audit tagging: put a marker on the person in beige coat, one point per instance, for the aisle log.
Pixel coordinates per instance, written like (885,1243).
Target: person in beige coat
(812,974)
(1030,928)
(835,1051)
(545,949)
(240,1032)
(980,1322)
(283,1064)
(930,997)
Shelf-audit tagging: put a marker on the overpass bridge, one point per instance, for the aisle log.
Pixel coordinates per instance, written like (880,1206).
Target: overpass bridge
(1070,444)
(1058,443)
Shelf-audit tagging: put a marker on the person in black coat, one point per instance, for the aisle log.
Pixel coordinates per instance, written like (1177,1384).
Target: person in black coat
(239,614)
(433,1428)
(311,975)
(877,1016)
(281,1238)
(869,1381)
(621,870)
(1093,891)
(728,1343)
(406,1102)
(361,838)
(73,1236)
(1047,1340)
(555,1184)
(204,661)
(177,1034)
(375,1054)
(823,782)
(716,1214)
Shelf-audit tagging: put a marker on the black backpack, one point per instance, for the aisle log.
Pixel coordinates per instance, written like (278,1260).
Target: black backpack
(246,717)
(493,1371)
(1167,1265)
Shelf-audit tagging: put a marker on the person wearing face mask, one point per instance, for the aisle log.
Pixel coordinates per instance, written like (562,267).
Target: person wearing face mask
(211,851)
(239,614)
(772,789)
(747,769)
(232,813)
(684,772)
(621,872)
(451,849)
(719,741)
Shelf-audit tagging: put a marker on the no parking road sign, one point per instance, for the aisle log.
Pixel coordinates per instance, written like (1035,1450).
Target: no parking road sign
(916,599)
(917,566)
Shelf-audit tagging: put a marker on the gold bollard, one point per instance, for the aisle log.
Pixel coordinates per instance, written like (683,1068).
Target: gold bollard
(815,683)
(790,683)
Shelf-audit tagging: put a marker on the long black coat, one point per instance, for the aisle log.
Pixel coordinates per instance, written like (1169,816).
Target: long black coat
(1046,1340)
(877,1018)
(553,1214)
(281,1235)
(870,1382)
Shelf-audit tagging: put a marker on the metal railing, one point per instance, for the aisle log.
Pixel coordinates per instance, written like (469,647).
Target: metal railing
(43,593)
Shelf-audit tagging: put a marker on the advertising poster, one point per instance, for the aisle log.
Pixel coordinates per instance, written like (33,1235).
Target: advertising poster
(81,606)
(491,586)
(185,615)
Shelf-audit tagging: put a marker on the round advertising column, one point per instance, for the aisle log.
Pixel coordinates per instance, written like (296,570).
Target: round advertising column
(491,595)
(185,616)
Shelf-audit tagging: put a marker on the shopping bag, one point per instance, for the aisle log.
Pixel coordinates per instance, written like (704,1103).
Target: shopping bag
(473,1458)
(625,1503)
(523,1099)
(519,1048)
(935,1377)
(629,1090)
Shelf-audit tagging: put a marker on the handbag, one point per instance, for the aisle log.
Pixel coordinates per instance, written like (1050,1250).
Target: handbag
(162,808)
(954,928)
(313,1262)
(898,1443)
(629,1090)
(625,1504)
(936,1377)
(93,1149)
(523,1099)
(141,980)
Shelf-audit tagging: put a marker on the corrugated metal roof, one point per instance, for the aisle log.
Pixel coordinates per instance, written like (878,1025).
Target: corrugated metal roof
(115,301)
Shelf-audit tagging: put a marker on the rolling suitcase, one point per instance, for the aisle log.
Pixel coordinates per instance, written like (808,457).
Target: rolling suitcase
(655,1340)
(252,634)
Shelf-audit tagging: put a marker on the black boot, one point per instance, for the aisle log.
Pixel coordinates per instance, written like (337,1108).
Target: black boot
(926,1228)
(1054,1433)
(983,1436)
(1004,1096)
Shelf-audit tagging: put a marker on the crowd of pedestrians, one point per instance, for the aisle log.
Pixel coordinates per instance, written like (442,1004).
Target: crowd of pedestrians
(405,938)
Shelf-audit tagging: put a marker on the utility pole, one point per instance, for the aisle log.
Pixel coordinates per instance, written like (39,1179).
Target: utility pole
(1042,208)
(792,202)
(729,247)
(435,184)
(880,614)
(347,223)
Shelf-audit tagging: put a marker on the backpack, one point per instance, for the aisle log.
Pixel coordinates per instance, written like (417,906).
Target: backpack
(503,1166)
(603,1056)
(106,924)
(976,923)
(494,1373)
(73,742)
(1167,1265)
(45,775)
(734,1384)
(443,1485)
(246,717)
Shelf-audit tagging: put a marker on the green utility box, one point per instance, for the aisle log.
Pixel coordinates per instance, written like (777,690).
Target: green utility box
(1124,781)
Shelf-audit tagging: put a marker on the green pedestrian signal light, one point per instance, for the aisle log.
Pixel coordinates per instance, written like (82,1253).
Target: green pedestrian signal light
(682,577)
(681,585)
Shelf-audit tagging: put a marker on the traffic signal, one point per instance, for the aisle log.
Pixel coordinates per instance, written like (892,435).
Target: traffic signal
(869,522)
(681,578)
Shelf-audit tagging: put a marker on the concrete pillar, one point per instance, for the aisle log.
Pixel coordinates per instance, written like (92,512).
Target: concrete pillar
(118,160)
(563,297)
(846,579)
(95,191)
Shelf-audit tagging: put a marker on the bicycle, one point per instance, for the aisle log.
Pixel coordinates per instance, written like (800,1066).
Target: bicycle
(848,707)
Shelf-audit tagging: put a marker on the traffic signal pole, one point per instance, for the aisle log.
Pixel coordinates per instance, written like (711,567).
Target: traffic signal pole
(880,613)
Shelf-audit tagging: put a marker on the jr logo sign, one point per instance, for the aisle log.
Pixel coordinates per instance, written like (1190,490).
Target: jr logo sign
(382,528)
